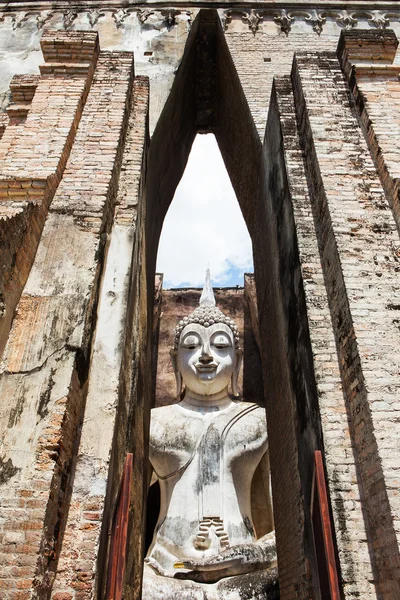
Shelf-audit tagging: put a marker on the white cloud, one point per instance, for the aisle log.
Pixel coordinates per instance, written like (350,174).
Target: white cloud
(204,226)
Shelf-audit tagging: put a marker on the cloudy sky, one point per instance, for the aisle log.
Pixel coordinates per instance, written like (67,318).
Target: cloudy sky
(204,226)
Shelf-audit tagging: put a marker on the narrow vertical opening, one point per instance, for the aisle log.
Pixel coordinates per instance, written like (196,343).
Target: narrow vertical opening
(204,227)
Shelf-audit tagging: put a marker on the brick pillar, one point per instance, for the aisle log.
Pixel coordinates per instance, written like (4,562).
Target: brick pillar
(367,60)
(282,335)
(354,561)
(358,243)
(43,380)
(34,148)
(81,573)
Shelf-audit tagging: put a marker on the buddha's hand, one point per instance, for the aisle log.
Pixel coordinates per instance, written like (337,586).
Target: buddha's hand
(239,559)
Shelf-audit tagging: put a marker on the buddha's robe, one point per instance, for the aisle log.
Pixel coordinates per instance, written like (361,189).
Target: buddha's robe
(205,462)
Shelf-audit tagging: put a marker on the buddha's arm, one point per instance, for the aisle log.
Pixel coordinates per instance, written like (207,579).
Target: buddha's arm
(243,558)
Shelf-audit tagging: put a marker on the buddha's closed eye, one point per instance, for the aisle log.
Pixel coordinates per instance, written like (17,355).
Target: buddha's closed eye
(190,342)
(221,341)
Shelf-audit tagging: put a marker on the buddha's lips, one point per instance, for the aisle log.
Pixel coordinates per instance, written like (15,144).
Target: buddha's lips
(206,368)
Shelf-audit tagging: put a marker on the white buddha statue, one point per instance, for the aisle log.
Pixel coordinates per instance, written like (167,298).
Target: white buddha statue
(205,452)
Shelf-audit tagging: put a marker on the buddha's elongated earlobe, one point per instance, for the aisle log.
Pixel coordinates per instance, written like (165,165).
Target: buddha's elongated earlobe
(178,377)
(235,375)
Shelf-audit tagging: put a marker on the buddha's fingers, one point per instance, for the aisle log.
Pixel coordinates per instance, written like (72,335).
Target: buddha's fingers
(216,565)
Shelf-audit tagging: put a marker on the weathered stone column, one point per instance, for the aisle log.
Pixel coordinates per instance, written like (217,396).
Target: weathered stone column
(324,398)
(367,60)
(34,149)
(358,244)
(44,373)
(81,572)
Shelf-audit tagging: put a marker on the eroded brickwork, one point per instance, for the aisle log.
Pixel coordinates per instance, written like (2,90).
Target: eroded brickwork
(367,59)
(34,148)
(46,359)
(354,561)
(358,244)
(22,89)
(78,575)
(292,420)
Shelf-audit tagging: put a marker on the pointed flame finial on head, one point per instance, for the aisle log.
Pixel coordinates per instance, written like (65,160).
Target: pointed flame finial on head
(207,295)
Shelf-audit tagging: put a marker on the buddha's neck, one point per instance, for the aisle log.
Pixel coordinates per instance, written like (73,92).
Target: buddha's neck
(218,401)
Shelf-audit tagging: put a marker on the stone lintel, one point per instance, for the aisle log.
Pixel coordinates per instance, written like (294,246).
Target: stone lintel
(371,70)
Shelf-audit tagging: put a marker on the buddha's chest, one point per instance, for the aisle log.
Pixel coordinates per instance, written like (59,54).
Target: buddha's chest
(206,442)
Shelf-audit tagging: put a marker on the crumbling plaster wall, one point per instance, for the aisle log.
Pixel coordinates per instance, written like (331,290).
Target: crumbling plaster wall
(44,374)
(262,46)
(157,47)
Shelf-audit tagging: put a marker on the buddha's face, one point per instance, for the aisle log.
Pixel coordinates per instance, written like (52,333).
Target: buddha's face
(206,358)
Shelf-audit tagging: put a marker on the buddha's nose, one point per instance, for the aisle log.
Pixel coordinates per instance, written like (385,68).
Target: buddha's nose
(206,354)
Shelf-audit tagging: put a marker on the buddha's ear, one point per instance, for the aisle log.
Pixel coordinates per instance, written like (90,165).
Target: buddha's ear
(178,377)
(235,375)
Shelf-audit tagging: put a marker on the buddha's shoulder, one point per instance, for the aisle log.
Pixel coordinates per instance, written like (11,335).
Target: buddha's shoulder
(249,408)
(162,412)
(249,414)
(247,424)
(165,416)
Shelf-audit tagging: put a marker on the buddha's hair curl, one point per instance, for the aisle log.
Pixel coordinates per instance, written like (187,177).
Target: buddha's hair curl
(206,316)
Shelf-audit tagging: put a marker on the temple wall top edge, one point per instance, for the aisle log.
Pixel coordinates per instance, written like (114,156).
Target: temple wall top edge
(273,5)
(156,31)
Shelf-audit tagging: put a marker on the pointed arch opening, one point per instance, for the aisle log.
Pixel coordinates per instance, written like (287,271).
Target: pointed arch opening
(204,227)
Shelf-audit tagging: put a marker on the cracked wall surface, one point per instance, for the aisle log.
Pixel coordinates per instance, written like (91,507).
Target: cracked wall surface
(49,346)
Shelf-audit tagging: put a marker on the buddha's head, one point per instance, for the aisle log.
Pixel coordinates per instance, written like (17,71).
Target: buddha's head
(206,355)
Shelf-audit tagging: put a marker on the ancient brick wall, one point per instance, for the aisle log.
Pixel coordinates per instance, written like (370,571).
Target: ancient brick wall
(47,355)
(34,149)
(79,228)
(278,302)
(357,235)
(356,572)
(367,60)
